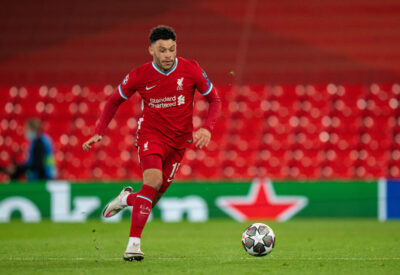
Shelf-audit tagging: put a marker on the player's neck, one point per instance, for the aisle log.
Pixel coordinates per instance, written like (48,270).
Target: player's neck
(161,69)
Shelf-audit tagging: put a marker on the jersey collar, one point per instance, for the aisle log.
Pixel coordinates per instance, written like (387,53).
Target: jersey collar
(167,73)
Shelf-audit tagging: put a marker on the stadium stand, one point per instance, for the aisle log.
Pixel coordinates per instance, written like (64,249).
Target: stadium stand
(253,51)
(97,42)
(288,131)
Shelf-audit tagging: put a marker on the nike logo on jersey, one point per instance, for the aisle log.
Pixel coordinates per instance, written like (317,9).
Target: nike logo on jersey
(149,88)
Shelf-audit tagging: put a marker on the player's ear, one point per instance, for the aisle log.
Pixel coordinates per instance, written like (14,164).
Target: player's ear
(151,52)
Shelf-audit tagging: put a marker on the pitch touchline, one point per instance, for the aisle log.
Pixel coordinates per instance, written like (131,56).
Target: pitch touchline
(167,258)
(80,259)
(334,259)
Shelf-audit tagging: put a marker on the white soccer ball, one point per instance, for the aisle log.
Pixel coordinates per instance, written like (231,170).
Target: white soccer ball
(258,239)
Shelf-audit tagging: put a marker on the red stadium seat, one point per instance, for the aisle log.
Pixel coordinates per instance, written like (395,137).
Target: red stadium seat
(287,131)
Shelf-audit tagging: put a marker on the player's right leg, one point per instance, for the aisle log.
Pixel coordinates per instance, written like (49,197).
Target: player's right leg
(157,177)
(170,168)
(151,164)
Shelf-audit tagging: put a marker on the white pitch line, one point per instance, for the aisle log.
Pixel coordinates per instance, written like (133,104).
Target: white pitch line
(330,259)
(171,258)
(80,259)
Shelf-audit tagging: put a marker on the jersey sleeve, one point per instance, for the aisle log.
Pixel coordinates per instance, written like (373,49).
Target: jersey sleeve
(203,84)
(128,86)
(205,87)
(122,93)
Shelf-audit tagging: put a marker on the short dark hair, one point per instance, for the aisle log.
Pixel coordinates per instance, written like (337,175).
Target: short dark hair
(162,32)
(34,124)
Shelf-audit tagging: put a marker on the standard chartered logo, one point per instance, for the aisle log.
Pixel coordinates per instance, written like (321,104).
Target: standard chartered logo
(166,102)
(162,100)
(181,100)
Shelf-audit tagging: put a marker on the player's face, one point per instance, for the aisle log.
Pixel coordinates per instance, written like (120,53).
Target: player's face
(164,53)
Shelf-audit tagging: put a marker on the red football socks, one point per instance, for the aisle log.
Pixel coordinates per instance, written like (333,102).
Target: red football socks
(131,198)
(141,209)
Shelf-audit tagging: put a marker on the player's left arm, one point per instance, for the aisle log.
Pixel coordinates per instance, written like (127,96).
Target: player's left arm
(202,136)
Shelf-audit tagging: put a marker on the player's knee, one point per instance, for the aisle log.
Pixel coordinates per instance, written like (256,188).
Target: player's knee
(153,178)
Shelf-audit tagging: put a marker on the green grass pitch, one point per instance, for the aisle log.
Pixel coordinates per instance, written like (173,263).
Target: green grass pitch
(315,246)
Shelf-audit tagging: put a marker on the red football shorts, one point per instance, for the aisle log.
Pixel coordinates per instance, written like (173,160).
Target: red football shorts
(162,157)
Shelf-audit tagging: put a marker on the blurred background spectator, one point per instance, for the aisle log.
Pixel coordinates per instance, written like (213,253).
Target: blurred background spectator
(40,164)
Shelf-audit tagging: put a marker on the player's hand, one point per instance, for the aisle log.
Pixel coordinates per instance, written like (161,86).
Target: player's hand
(88,144)
(202,137)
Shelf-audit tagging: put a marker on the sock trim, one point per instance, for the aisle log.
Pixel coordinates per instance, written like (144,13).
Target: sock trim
(143,197)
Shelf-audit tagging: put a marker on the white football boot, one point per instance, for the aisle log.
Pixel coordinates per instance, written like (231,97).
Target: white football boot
(133,252)
(115,206)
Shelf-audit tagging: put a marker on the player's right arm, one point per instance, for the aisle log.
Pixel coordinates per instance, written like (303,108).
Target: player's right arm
(122,93)
(88,144)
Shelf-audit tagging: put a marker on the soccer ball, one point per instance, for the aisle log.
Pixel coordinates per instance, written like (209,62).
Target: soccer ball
(258,239)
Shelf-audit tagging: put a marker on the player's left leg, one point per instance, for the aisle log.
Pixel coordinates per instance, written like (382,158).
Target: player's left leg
(118,203)
(130,198)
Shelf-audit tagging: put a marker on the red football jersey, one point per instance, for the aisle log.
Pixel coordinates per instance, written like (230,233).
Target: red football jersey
(167,100)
